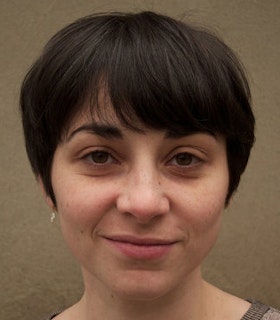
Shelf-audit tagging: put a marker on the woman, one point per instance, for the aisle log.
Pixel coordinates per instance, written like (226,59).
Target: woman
(138,128)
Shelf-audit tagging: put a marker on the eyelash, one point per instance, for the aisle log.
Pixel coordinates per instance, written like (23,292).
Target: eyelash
(174,161)
(100,153)
(193,160)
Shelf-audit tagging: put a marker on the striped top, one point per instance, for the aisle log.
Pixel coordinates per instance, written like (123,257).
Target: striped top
(257,311)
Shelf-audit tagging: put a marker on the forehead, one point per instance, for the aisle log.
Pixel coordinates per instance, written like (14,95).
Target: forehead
(100,112)
(110,127)
(102,119)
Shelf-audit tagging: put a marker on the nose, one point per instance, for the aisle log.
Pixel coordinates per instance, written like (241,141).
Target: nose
(142,196)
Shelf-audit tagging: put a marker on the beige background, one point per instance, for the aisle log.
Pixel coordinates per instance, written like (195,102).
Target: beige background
(38,275)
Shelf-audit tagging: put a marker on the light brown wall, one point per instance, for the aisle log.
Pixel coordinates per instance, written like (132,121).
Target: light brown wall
(38,274)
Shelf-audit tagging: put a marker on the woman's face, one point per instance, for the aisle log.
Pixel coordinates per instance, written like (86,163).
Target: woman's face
(139,210)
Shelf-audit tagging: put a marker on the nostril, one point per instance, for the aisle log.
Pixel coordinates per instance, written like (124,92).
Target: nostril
(143,206)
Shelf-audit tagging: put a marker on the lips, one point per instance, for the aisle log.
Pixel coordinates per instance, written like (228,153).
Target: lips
(140,248)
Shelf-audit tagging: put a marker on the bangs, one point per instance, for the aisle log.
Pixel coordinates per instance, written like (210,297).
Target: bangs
(166,77)
(157,72)
(152,70)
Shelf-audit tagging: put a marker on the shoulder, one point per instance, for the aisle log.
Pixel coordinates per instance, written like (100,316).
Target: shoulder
(260,311)
(53,316)
(272,314)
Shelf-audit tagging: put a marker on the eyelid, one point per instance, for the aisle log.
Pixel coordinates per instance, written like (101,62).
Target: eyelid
(194,159)
(194,151)
(90,152)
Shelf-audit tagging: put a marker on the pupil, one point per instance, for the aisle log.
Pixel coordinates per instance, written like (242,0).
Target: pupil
(99,157)
(184,159)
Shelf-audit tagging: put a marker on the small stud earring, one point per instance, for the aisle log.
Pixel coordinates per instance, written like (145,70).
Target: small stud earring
(52,217)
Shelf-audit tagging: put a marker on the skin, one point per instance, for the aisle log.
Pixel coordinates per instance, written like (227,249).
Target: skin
(114,186)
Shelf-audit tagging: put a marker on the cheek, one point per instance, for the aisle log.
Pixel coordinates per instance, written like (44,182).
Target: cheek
(202,207)
(82,203)
(82,208)
(204,221)
(201,220)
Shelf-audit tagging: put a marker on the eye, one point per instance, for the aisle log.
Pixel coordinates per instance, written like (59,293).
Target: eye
(100,157)
(184,159)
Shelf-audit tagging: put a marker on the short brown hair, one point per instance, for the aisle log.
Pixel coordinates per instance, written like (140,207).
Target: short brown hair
(165,72)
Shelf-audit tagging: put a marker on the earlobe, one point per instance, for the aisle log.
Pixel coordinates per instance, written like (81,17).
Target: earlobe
(47,198)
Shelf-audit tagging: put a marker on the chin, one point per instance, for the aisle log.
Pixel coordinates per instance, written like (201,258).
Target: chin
(143,285)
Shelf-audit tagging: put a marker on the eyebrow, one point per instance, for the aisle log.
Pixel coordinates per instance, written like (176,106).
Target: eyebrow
(170,134)
(108,131)
(103,130)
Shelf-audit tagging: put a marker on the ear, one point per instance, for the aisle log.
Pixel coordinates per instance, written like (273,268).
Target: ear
(47,198)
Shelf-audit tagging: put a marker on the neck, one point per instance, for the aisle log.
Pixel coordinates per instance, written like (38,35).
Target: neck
(187,301)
